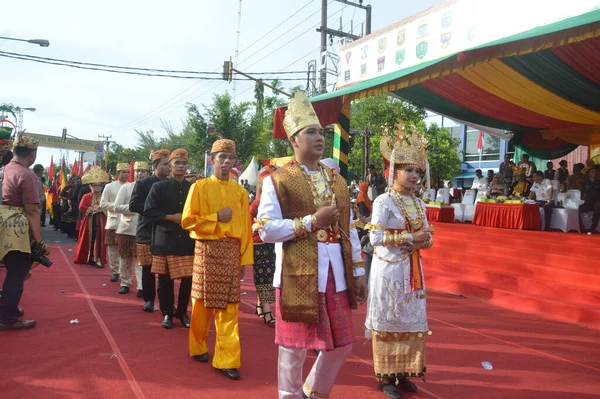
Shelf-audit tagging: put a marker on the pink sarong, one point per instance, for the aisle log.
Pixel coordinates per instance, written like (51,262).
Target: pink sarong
(335,322)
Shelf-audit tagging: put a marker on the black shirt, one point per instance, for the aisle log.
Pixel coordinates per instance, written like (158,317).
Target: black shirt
(168,197)
(140,192)
(549,174)
(591,191)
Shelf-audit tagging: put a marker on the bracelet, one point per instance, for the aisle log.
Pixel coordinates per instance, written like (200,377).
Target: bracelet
(299,227)
(358,264)
(313,222)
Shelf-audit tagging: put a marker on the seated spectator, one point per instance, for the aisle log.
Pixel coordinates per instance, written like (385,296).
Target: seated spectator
(490,175)
(589,164)
(497,187)
(576,180)
(479,182)
(549,173)
(562,174)
(591,196)
(521,187)
(542,192)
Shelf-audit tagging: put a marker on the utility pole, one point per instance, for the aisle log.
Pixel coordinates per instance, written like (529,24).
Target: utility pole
(324,30)
(106,142)
(323,72)
(237,41)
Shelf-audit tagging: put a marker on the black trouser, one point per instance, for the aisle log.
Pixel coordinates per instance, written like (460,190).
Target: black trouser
(57,213)
(148,283)
(548,206)
(166,295)
(17,266)
(589,207)
(43,213)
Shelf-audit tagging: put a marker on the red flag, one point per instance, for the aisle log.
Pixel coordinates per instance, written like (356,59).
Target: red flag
(130,180)
(51,169)
(480,142)
(75,169)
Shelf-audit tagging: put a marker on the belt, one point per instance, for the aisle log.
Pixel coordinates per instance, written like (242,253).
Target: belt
(328,236)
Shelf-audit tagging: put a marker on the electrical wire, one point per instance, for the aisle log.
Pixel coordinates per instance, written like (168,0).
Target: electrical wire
(79,63)
(144,118)
(132,72)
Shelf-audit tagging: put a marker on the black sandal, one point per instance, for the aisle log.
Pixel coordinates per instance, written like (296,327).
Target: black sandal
(390,390)
(406,385)
(271,319)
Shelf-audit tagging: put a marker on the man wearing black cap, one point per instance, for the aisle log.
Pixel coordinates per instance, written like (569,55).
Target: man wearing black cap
(38,170)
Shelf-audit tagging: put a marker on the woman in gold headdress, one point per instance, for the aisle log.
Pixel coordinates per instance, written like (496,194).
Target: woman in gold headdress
(90,245)
(396,312)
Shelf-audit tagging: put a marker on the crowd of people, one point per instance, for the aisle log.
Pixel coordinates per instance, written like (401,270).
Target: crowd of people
(318,249)
(525,181)
(300,235)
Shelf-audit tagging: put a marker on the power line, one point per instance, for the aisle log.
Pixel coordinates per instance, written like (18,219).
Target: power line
(170,108)
(100,67)
(144,117)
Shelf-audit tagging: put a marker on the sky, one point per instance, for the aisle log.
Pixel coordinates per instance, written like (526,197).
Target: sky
(185,35)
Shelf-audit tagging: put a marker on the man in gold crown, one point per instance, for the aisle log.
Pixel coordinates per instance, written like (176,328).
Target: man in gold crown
(319,276)
(217,215)
(172,248)
(126,231)
(19,213)
(143,235)
(90,244)
(107,204)
(396,314)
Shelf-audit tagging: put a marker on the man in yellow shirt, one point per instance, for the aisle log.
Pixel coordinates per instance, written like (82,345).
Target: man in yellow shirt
(217,214)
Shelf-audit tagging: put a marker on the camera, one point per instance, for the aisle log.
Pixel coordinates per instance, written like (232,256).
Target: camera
(37,254)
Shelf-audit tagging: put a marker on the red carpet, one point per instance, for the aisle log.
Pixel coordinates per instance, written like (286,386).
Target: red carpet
(552,274)
(122,352)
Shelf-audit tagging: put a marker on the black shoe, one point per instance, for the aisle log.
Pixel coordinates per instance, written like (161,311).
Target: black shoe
(148,307)
(201,358)
(123,290)
(114,278)
(390,390)
(405,385)
(21,312)
(232,374)
(140,294)
(167,322)
(19,325)
(185,320)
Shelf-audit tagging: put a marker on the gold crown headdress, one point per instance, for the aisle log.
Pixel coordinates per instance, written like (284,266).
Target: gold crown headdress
(404,146)
(123,166)
(95,175)
(300,114)
(141,165)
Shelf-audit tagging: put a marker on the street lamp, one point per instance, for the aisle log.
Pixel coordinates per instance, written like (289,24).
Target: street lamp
(40,42)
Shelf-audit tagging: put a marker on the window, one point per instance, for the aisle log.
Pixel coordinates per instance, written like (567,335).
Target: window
(491,146)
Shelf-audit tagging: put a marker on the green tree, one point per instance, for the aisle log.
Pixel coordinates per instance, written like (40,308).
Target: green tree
(442,153)
(368,116)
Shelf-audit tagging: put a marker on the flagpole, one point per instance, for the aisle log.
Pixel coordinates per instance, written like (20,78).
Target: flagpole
(480,147)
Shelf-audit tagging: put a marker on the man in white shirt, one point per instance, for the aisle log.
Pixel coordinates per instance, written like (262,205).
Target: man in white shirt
(542,192)
(126,231)
(319,272)
(479,182)
(107,203)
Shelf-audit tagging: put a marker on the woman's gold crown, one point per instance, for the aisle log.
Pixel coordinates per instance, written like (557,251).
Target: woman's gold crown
(95,175)
(410,145)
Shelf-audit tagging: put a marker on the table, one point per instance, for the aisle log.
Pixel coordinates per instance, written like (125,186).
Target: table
(508,216)
(444,214)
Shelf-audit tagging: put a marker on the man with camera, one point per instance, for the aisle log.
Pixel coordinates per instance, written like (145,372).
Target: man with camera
(19,214)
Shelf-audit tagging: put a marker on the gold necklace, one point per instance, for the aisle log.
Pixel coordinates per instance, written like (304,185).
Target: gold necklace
(313,181)
(413,224)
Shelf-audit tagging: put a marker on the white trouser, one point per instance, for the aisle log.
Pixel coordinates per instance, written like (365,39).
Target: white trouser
(126,266)
(113,258)
(138,274)
(321,378)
